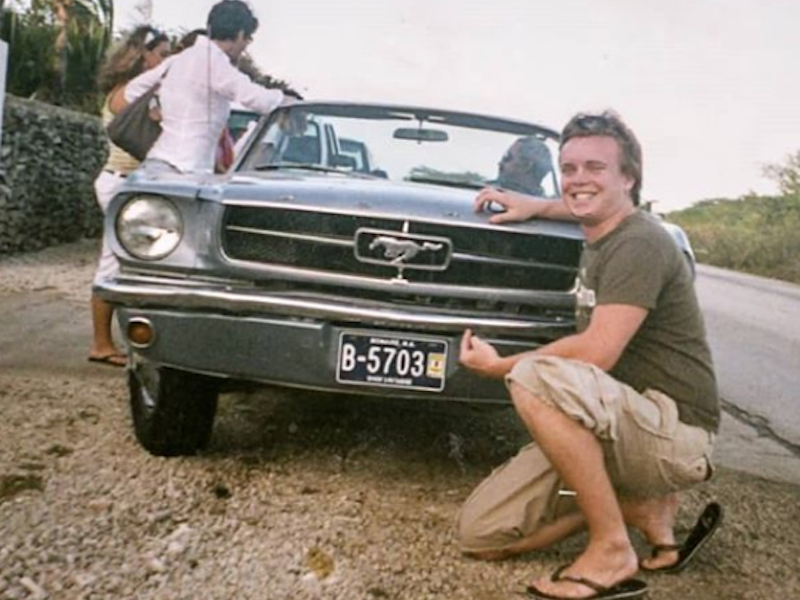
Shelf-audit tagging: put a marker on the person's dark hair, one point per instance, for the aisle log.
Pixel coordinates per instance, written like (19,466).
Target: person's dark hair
(188,39)
(535,153)
(228,18)
(126,58)
(610,124)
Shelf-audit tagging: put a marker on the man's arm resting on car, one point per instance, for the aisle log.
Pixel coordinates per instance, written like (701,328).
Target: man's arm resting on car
(520,207)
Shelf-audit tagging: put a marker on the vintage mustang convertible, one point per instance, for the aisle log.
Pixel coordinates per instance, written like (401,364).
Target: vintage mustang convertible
(341,253)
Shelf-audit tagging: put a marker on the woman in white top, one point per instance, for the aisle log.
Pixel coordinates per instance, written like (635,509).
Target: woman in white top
(143,49)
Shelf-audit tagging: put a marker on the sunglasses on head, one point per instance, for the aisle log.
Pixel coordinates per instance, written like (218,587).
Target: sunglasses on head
(601,124)
(151,36)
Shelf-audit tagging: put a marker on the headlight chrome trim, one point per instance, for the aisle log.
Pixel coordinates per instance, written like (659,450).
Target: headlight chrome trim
(149,227)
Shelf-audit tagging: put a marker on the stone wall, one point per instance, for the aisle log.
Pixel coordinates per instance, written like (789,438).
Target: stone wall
(50,158)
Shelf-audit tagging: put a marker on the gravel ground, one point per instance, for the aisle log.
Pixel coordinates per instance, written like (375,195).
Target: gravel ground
(300,496)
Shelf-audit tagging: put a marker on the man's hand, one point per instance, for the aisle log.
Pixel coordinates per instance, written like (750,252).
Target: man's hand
(516,206)
(481,357)
(521,207)
(292,95)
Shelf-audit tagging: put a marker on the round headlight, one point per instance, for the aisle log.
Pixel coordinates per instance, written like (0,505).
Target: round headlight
(149,227)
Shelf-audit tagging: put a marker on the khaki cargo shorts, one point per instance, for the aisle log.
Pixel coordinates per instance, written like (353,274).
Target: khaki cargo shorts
(648,452)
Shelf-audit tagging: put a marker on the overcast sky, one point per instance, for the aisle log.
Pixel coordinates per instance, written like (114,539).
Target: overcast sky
(711,87)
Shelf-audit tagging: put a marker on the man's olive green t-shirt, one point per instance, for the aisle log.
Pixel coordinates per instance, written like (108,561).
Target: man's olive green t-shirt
(639,264)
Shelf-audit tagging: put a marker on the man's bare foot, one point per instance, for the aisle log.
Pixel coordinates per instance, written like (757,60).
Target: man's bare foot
(655,519)
(604,564)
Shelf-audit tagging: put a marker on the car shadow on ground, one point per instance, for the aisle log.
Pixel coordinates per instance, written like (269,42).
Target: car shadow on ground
(276,421)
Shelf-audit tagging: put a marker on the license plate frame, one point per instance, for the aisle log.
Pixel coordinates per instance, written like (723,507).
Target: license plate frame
(390,360)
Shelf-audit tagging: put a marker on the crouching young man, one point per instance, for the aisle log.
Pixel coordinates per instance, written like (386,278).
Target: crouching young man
(623,414)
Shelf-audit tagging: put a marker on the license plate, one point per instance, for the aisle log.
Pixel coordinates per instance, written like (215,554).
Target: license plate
(392,361)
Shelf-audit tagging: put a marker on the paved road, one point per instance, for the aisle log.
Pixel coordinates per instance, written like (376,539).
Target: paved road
(755,337)
(755,332)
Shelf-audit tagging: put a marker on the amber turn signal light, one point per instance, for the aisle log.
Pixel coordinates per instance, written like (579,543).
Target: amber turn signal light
(141,333)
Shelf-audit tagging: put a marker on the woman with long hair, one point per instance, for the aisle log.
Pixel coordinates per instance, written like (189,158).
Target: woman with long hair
(140,51)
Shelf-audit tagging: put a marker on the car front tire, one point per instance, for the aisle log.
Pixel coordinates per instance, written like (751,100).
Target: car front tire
(173,411)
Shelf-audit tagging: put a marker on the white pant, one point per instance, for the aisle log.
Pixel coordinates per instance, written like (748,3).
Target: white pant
(105,187)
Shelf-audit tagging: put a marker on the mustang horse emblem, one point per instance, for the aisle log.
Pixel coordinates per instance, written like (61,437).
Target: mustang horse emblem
(400,251)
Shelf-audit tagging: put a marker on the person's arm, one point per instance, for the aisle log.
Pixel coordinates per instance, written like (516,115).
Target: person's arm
(602,343)
(481,357)
(116,99)
(520,207)
(236,86)
(143,82)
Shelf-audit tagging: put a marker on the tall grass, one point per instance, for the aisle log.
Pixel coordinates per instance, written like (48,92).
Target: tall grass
(755,234)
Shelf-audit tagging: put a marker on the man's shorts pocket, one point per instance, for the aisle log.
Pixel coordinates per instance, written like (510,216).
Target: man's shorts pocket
(653,413)
(681,473)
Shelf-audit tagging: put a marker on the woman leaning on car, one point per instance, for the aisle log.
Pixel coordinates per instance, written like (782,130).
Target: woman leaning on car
(140,51)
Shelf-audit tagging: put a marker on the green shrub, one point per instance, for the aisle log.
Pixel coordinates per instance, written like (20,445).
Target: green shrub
(755,234)
(38,70)
(32,69)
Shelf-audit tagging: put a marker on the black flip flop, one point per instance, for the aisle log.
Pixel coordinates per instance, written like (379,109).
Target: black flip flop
(629,589)
(708,522)
(115,359)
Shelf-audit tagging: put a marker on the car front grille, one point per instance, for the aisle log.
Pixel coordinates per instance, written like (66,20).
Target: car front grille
(484,258)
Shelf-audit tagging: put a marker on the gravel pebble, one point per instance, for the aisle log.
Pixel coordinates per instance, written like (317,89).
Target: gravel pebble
(300,496)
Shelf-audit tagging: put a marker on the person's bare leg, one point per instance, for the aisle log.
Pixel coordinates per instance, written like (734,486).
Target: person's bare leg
(577,455)
(655,518)
(558,530)
(102,341)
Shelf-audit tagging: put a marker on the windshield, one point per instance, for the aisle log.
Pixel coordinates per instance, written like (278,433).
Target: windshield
(407,144)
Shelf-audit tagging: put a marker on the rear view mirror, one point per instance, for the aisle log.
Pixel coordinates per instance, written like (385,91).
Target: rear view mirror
(420,134)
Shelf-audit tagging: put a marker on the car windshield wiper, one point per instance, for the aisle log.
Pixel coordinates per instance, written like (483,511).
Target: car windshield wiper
(316,168)
(467,185)
(302,166)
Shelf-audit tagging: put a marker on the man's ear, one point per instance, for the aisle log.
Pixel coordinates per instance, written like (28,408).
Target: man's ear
(629,183)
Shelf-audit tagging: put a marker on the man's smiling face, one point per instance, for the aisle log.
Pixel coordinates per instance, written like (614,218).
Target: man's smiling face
(594,186)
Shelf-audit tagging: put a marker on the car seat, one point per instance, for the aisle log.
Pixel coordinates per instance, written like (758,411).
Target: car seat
(302,149)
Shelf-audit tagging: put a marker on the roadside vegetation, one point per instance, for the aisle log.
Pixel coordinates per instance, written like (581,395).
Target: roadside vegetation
(56,47)
(754,234)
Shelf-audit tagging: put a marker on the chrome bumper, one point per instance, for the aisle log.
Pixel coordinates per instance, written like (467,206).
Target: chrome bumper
(192,296)
(291,339)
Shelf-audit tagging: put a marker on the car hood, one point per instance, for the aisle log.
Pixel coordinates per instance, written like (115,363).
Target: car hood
(344,193)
